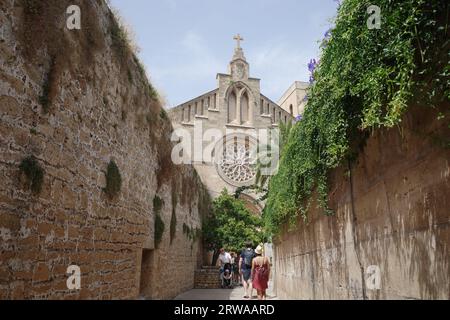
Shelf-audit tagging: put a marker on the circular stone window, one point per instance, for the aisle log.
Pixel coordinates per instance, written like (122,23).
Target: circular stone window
(235,159)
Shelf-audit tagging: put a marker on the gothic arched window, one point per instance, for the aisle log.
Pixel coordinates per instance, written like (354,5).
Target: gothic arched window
(291,110)
(245,108)
(232,106)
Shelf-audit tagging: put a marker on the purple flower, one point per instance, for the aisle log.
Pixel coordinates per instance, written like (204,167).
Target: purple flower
(312,65)
(298,118)
(305,98)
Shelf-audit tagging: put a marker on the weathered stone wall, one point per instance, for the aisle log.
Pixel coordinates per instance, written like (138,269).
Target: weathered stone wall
(207,278)
(392,210)
(76,100)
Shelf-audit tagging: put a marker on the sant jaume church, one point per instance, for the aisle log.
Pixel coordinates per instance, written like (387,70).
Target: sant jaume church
(240,111)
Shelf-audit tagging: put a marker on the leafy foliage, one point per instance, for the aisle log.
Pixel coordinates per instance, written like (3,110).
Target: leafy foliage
(231,224)
(113,180)
(173,225)
(159,229)
(158,203)
(34,173)
(192,233)
(264,161)
(173,219)
(48,88)
(364,80)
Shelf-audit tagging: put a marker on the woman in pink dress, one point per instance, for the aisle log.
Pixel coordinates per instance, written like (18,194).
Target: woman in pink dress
(260,273)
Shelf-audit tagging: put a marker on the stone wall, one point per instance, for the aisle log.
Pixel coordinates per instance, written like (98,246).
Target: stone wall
(207,278)
(75,100)
(392,211)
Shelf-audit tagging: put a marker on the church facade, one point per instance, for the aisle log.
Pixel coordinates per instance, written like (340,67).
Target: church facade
(227,123)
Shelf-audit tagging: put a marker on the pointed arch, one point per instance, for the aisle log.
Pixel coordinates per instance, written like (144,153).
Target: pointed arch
(232,106)
(234,98)
(245,107)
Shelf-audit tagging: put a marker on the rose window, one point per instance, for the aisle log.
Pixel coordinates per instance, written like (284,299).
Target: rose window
(236,163)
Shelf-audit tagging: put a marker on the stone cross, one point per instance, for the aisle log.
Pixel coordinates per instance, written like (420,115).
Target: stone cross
(238,38)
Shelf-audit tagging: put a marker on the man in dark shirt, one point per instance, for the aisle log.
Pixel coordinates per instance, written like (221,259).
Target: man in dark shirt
(245,268)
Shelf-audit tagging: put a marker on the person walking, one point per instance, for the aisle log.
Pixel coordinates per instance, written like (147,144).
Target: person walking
(245,269)
(260,273)
(234,267)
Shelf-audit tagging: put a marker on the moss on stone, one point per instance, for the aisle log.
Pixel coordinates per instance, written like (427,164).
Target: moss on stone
(33,172)
(113,180)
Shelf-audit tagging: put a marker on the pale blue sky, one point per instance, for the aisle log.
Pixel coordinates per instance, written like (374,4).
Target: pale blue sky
(185,43)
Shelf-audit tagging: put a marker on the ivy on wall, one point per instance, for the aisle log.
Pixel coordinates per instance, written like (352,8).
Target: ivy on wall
(33,173)
(364,79)
(159,223)
(113,180)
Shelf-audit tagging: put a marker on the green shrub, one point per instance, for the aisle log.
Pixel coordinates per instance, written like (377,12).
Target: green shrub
(230,224)
(119,37)
(173,225)
(33,172)
(157,204)
(159,229)
(152,93)
(33,7)
(365,80)
(113,180)
(163,114)
(173,220)
(46,98)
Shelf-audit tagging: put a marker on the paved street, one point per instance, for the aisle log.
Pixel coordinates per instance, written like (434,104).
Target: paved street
(222,294)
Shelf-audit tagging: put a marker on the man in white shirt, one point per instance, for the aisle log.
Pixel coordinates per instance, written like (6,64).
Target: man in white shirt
(224,258)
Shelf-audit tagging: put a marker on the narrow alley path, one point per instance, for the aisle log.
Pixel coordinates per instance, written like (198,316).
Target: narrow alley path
(222,294)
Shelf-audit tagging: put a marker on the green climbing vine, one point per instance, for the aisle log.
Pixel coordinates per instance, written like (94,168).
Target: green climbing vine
(113,180)
(33,172)
(158,204)
(365,79)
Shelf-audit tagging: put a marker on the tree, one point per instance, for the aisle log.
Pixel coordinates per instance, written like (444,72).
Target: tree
(230,225)
(261,185)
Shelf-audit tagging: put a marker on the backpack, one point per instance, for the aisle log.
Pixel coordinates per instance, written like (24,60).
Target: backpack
(248,257)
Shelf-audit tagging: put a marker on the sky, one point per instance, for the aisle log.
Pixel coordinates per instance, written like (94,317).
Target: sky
(185,43)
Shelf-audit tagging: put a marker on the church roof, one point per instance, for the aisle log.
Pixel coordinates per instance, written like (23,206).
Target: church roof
(196,98)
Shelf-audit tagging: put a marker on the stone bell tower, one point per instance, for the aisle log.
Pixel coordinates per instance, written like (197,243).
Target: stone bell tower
(239,68)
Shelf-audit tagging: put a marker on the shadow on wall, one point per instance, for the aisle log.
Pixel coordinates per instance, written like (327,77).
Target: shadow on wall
(391,213)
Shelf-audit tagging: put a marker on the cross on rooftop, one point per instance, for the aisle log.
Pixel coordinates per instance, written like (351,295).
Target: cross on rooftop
(238,38)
